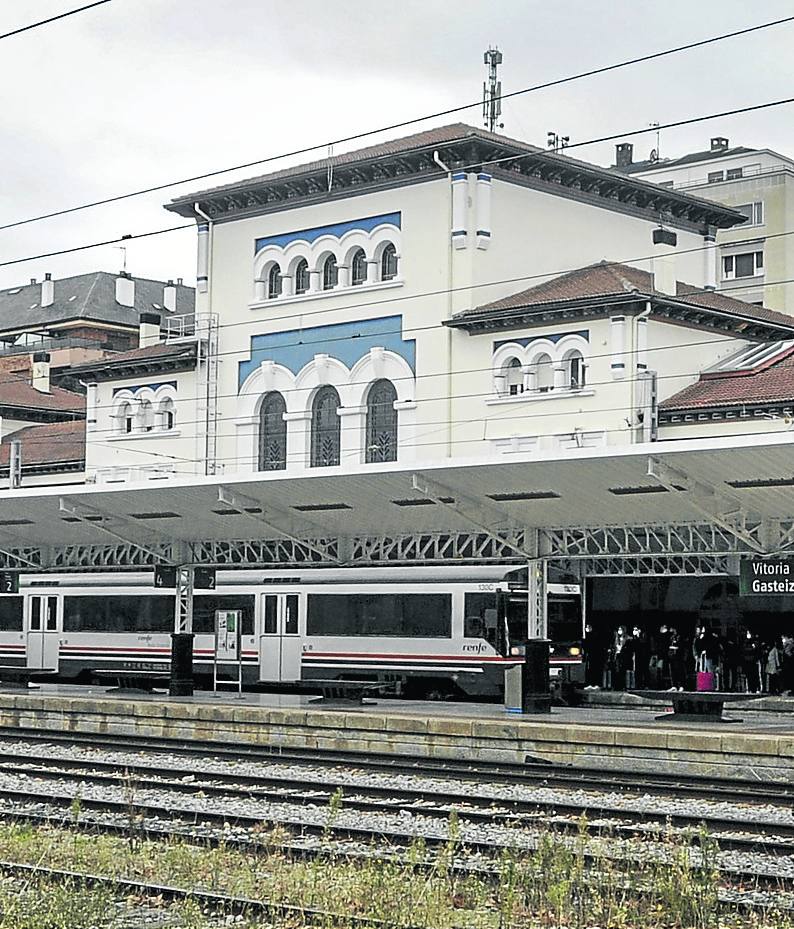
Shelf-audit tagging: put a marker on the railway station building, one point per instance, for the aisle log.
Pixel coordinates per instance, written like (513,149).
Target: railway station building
(443,354)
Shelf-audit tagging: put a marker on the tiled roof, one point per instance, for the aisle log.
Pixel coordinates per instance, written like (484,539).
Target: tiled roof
(691,158)
(174,355)
(607,279)
(395,161)
(51,445)
(773,383)
(17,392)
(414,142)
(85,296)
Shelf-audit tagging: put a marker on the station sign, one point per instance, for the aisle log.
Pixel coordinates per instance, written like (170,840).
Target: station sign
(228,625)
(765,577)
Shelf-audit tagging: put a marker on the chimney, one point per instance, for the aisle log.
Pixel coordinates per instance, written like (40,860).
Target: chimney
(169,296)
(179,282)
(125,289)
(663,262)
(719,143)
(624,154)
(33,281)
(47,291)
(40,372)
(149,329)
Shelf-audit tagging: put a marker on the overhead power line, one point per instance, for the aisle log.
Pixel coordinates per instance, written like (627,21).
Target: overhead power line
(52,19)
(681,122)
(398,125)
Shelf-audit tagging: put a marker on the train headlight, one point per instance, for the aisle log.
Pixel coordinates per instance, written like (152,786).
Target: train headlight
(574,650)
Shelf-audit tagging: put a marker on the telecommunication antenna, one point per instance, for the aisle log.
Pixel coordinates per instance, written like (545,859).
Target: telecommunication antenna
(492,91)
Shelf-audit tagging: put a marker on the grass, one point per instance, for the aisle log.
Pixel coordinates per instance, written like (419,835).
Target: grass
(554,886)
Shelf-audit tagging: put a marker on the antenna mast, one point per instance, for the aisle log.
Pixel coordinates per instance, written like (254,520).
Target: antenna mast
(492,91)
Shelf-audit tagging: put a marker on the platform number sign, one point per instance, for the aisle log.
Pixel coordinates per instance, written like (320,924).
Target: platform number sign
(9,582)
(204,579)
(165,577)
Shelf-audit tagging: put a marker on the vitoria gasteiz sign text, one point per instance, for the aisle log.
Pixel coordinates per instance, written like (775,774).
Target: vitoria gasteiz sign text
(766,576)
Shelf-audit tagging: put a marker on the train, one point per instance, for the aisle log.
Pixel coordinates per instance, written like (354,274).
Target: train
(430,632)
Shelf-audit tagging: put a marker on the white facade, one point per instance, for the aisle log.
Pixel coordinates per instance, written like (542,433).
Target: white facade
(407,258)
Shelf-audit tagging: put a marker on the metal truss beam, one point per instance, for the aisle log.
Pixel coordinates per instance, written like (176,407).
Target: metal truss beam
(486,518)
(688,548)
(273,520)
(635,541)
(658,566)
(708,501)
(98,520)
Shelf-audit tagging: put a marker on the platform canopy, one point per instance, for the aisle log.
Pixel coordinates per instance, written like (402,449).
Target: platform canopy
(707,496)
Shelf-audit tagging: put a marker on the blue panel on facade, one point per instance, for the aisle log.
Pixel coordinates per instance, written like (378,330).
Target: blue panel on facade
(337,229)
(583,333)
(347,342)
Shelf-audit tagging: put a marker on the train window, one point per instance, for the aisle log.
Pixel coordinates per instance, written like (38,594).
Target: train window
(479,617)
(119,613)
(291,614)
(271,615)
(565,619)
(394,614)
(204,608)
(10,614)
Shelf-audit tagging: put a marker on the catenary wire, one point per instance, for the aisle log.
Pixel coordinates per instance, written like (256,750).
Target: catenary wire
(527,397)
(405,123)
(403,330)
(469,287)
(155,232)
(58,16)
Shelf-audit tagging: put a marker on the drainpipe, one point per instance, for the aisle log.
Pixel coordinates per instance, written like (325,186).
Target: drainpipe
(448,337)
(640,366)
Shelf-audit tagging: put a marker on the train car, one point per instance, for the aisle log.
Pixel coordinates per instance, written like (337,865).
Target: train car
(431,632)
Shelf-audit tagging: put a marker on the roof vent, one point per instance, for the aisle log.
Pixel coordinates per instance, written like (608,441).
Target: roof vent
(624,154)
(719,143)
(47,291)
(125,289)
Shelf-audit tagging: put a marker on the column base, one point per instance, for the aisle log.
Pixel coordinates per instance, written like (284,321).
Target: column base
(181,684)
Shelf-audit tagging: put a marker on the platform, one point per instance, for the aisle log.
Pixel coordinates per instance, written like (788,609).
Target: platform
(759,749)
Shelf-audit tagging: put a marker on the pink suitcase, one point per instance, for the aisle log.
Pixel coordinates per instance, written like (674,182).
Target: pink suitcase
(705,680)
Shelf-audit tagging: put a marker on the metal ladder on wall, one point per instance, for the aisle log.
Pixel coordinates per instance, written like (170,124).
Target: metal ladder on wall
(207,339)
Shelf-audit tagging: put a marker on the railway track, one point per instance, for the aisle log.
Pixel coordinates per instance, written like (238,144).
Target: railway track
(767,836)
(217,903)
(55,789)
(531,772)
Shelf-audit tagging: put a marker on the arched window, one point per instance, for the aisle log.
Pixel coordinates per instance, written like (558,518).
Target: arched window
(514,378)
(330,273)
(388,263)
(145,416)
(326,432)
(302,276)
(575,370)
(358,267)
(381,422)
(274,283)
(544,374)
(272,433)
(166,414)
(124,419)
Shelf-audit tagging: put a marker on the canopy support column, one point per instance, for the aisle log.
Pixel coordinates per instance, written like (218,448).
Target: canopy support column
(182,638)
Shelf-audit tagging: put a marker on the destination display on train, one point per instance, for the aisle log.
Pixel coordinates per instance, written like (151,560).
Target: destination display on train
(766,577)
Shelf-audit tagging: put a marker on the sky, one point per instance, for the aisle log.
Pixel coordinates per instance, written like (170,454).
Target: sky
(137,93)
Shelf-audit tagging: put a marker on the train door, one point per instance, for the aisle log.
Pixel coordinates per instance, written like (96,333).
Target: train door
(44,628)
(279,639)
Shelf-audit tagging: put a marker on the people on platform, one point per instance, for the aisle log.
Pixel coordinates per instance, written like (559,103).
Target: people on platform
(631,658)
